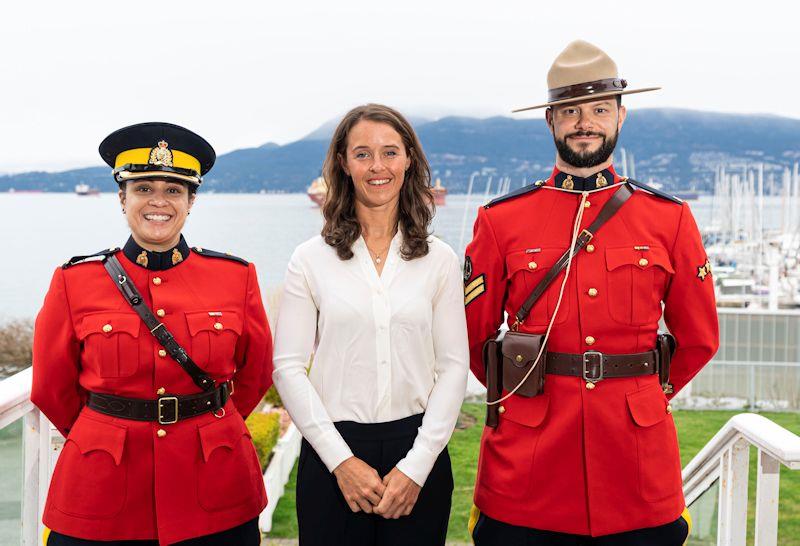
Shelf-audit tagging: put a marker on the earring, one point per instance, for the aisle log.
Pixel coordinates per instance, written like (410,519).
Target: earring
(123,211)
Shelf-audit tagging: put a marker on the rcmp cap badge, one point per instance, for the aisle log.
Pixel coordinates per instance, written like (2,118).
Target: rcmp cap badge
(161,155)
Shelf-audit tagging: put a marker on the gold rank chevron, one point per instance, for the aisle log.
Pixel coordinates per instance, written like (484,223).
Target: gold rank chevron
(474,289)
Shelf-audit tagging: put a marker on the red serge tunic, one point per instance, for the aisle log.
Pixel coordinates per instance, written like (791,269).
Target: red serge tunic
(123,479)
(600,460)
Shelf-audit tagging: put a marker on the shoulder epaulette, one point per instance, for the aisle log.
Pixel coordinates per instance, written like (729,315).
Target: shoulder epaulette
(516,193)
(215,254)
(81,259)
(654,191)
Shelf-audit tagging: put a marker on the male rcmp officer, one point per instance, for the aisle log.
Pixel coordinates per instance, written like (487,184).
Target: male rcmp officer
(593,458)
(156,451)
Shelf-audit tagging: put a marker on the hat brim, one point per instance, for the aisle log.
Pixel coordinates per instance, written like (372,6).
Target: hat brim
(124,176)
(585,98)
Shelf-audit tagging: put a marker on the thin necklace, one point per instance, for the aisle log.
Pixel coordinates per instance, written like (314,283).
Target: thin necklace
(377,255)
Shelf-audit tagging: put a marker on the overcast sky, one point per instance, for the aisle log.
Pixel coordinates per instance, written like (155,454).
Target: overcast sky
(245,73)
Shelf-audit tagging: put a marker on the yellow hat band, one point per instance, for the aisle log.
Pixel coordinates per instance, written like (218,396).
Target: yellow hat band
(141,156)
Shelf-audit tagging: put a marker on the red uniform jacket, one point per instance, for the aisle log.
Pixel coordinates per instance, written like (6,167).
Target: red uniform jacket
(122,479)
(576,460)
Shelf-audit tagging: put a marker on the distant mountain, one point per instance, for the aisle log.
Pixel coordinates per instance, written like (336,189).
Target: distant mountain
(677,148)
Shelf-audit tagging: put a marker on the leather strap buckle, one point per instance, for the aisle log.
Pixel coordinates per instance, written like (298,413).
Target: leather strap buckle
(593,370)
(164,408)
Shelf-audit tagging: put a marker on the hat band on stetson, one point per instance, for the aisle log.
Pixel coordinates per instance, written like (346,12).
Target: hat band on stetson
(141,156)
(583,90)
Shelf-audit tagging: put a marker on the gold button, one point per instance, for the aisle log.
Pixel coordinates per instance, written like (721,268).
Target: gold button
(589,340)
(592,292)
(590,385)
(643,262)
(532,265)
(519,358)
(501,409)
(669,408)
(161,390)
(156,280)
(107,328)
(161,433)
(162,353)
(589,248)
(218,326)
(161,313)
(587,204)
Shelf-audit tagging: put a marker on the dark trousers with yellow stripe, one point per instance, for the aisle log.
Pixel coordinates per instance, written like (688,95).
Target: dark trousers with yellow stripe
(490,532)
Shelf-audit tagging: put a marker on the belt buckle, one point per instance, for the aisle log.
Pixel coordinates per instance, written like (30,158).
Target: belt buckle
(161,419)
(587,359)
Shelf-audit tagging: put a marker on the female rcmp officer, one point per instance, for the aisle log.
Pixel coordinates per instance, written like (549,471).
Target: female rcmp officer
(156,448)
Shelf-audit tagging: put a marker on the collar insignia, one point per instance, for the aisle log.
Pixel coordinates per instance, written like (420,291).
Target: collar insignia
(141,259)
(161,155)
(601,180)
(568,183)
(176,256)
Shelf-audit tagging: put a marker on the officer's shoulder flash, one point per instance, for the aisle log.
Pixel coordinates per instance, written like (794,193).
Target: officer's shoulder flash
(654,191)
(214,254)
(516,193)
(88,257)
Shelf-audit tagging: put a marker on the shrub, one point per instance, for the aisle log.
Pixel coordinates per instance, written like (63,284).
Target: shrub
(272,397)
(264,429)
(16,346)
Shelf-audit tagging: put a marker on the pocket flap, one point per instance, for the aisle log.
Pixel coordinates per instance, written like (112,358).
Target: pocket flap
(628,255)
(529,412)
(225,432)
(648,406)
(109,324)
(202,320)
(537,260)
(90,435)
(521,349)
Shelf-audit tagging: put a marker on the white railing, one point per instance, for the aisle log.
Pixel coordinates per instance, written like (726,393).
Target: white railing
(726,459)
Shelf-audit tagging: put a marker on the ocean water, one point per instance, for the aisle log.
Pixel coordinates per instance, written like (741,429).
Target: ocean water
(41,231)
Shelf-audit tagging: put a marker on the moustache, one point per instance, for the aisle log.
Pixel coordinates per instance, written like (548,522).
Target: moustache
(586,134)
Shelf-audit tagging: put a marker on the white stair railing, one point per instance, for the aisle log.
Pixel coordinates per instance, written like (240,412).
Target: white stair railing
(726,457)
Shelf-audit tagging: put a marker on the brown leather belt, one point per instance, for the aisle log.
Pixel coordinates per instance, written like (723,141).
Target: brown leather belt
(594,366)
(165,410)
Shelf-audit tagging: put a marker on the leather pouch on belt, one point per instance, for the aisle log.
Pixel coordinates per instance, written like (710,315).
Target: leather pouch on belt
(665,346)
(519,351)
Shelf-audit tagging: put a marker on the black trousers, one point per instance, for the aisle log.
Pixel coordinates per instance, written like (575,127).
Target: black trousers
(246,534)
(323,517)
(490,532)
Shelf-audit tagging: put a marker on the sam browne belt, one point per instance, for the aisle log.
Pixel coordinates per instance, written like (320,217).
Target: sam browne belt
(165,410)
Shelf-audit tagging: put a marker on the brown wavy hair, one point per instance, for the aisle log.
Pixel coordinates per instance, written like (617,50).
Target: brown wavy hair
(415,209)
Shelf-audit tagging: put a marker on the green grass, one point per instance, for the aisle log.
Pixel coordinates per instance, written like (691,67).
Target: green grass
(695,429)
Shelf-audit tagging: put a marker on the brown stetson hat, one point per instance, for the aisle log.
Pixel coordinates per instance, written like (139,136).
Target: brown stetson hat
(583,72)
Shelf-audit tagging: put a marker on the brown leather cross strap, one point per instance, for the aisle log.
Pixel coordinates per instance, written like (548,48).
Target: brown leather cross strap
(609,209)
(594,366)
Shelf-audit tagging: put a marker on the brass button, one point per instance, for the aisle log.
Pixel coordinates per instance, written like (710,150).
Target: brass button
(161,433)
(587,204)
(592,292)
(532,265)
(589,248)
(590,385)
(669,408)
(161,313)
(107,328)
(156,280)
(161,390)
(589,340)
(198,249)
(519,358)
(501,409)
(218,326)
(643,262)
(162,353)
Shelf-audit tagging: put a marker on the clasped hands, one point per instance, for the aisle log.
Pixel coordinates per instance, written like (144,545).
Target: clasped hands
(363,489)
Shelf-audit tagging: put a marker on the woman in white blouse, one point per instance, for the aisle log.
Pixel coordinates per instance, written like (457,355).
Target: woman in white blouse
(380,304)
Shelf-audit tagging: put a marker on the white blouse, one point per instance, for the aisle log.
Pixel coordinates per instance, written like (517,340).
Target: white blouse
(385,346)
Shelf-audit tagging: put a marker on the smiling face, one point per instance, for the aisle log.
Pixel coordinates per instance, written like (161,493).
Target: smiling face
(586,133)
(376,159)
(156,211)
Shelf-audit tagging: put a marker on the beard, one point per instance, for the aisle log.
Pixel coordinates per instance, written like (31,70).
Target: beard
(585,159)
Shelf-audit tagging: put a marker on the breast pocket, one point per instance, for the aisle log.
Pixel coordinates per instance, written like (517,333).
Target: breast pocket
(525,270)
(637,280)
(214,340)
(111,343)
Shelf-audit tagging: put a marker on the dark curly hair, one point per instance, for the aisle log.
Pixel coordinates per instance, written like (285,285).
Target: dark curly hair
(416,208)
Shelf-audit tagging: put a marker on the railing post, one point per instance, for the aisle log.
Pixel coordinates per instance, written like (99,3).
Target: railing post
(732,525)
(767,500)
(33,458)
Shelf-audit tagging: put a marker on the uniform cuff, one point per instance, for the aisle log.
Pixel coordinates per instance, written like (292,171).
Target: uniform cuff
(333,451)
(417,464)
